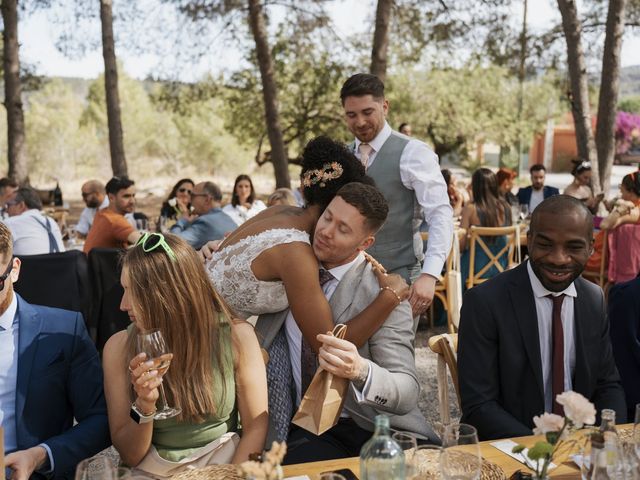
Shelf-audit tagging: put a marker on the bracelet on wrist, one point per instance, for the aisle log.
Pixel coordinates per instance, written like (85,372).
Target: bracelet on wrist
(143,412)
(392,291)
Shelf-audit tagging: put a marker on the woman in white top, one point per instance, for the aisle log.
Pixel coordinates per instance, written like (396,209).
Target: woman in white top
(243,204)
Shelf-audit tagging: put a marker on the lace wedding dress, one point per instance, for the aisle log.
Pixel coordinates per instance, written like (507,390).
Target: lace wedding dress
(230,272)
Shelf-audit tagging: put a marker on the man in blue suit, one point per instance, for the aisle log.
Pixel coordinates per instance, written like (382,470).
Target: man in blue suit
(50,373)
(211,223)
(537,192)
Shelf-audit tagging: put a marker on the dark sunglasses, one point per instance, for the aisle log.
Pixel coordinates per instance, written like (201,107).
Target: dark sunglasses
(184,189)
(6,274)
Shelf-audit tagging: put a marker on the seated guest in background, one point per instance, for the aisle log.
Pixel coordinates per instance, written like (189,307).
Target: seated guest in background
(511,364)
(282,196)
(244,204)
(33,232)
(626,209)
(216,376)
(624,315)
(178,203)
(405,129)
(95,198)
(110,228)
(533,195)
(505,178)
(581,187)
(8,189)
(211,222)
(382,372)
(488,209)
(456,198)
(53,413)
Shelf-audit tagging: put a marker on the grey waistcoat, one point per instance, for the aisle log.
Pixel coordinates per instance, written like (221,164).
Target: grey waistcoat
(394,242)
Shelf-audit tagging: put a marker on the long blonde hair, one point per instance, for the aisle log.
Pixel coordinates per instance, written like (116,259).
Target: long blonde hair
(177,297)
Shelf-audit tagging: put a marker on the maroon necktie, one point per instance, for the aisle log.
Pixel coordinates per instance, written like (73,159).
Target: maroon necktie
(308,360)
(557,355)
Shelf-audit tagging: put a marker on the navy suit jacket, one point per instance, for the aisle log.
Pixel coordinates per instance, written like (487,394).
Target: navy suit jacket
(499,362)
(59,379)
(624,315)
(524,194)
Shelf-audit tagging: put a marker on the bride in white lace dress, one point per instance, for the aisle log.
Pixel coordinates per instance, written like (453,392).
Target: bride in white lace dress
(268,264)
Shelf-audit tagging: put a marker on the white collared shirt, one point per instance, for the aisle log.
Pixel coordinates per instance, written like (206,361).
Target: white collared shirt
(294,335)
(88,214)
(9,372)
(30,237)
(420,172)
(544,311)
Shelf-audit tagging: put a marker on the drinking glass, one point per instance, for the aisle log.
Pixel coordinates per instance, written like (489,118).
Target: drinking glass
(427,459)
(96,468)
(524,211)
(515,214)
(71,234)
(460,458)
(408,444)
(152,343)
(142,224)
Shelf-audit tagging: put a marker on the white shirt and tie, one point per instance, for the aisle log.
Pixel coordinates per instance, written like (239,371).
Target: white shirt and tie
(420,172)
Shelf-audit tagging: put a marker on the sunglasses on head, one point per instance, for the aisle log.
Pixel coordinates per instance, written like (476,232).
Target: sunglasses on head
(184,189)
(6,274)
(151,241)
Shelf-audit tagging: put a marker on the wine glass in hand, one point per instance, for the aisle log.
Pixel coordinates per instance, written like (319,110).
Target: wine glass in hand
(151,343)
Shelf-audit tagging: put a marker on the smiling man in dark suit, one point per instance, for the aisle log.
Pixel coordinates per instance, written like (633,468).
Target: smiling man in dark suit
(535,331)
(50,374)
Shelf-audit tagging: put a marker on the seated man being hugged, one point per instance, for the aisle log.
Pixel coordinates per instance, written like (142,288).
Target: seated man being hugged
(382,372)
(50,374)
(538,330)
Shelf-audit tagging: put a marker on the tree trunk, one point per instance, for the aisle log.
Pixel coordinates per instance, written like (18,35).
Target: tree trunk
(270,95)
(609,87)
(116,146)
(13,94)
(579,86)
(381,39)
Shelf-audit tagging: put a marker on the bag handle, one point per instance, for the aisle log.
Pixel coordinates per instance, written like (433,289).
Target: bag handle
(339,331)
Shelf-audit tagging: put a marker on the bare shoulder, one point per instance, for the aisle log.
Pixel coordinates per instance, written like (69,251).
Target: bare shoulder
(242,331)
(115,347)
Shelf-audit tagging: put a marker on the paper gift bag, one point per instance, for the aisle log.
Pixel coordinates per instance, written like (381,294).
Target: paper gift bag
(321,405)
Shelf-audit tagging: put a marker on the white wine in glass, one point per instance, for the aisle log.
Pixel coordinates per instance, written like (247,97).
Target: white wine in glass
(152,343)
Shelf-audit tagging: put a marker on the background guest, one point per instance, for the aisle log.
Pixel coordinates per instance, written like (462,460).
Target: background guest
(456,197)
(533,195)
(8,188)
(505,178)
(581,187)
(33,232)
(487,209)
(217,375)
(244,204)
(282,196)
(405,129)
(95,198)
(178,203)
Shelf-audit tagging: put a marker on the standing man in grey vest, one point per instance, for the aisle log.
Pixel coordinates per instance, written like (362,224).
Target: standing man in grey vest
(408,173)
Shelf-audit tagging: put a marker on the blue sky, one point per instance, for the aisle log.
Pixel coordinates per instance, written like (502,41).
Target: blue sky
(350,16)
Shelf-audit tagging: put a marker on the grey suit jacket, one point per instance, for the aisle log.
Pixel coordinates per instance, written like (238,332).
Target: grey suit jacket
(394,387)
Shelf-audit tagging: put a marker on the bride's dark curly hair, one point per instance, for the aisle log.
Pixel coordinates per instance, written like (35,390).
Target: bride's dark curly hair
(327,166)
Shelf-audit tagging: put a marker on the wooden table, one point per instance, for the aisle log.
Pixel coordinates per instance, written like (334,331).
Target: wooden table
(565,471)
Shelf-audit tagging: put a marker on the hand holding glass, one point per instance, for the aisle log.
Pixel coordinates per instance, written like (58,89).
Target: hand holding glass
(152,343)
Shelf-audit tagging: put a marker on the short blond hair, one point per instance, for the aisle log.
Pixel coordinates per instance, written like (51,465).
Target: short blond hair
(6,242)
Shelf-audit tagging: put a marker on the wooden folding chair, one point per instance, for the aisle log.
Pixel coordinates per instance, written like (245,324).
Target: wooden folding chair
(478,240)
(600,277)
(446,347)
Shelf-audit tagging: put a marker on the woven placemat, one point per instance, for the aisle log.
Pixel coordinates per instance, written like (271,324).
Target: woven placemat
(625,433)
(429,467)
(212,472)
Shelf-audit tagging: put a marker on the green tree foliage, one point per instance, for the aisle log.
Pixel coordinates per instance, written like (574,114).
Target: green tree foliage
(630,104)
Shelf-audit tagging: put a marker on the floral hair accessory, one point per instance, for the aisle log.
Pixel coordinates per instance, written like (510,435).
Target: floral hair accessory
(329,171)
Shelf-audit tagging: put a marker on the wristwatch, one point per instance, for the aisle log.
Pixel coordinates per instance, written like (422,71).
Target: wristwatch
(140,417)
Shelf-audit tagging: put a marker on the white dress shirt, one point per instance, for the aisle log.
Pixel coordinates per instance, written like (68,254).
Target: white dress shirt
(544,311)
(9,372)
(537,196)
(30,237)
(420,172)
(86,217)
(294,335)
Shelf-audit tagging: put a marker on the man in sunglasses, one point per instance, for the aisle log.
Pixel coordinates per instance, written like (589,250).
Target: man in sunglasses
(110,228)
(211,222)
(50,374)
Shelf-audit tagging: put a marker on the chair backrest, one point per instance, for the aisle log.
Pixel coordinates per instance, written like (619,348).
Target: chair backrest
(106,316)
(600,277)
(58,280)
(510,252)
(624,253)
(446,347)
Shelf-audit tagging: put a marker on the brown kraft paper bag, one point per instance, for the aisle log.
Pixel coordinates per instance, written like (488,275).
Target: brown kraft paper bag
(322,403)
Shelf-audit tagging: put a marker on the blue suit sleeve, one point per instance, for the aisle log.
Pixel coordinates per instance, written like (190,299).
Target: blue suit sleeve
(85,397)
